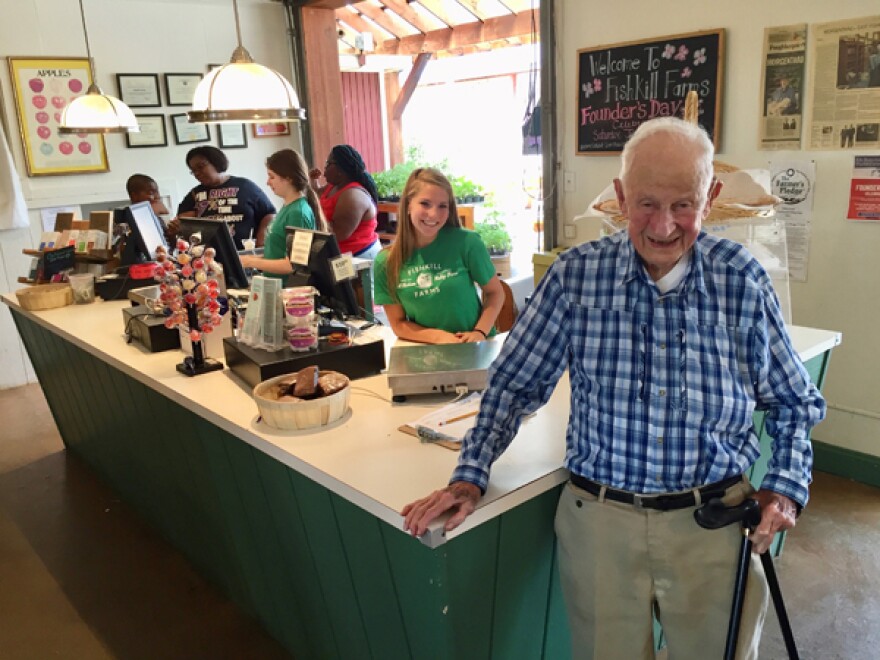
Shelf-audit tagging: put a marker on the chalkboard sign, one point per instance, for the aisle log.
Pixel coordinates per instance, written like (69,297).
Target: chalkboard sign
(56,261)
(622,85)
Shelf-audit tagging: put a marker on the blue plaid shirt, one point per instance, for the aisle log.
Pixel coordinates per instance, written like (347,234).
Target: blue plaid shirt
(663,386)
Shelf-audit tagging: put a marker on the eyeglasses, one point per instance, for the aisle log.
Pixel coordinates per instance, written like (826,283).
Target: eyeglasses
(198,166)
(329,163)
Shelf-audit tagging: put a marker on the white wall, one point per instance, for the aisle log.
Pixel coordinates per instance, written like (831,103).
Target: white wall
(841,292)
(126,36)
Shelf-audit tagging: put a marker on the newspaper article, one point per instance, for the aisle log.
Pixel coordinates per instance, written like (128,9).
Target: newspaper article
(845,112)
(782,83)
(794,182)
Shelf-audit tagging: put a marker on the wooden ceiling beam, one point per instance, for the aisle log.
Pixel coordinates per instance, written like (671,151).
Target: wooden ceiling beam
(412,81)
(438,10)
(408,14)
(380,17)
(473,8)
(357,24)
(467,34)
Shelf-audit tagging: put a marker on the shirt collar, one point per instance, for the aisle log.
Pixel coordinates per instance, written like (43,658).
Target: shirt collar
(630,267)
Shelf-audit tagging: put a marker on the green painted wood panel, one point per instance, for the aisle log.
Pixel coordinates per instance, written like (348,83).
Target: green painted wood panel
(324,577)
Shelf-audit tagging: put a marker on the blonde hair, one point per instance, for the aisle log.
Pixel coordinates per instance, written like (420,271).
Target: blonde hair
(405,241)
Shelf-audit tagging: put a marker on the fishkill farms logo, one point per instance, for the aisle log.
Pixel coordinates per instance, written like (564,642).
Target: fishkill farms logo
(792,185)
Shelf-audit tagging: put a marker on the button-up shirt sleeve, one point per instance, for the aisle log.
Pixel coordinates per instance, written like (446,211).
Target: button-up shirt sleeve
(793,405)
(521,379)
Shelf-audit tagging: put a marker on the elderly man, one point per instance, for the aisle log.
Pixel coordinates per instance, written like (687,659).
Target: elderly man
(672,338)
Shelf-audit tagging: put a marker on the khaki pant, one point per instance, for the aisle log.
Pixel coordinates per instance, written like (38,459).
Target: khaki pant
(619,565)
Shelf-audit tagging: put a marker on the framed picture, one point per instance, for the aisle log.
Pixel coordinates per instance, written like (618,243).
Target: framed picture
(180,87)
(152,132)
(622,85)
(271,129)
(42,87)
(139,90)
(186,133)
(231,136)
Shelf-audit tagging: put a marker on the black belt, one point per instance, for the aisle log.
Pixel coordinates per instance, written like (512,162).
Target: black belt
(658,502)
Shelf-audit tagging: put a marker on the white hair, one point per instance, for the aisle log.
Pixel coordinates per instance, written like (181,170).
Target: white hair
(684,134)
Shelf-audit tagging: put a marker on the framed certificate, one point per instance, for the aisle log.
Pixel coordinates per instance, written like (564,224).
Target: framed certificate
(231,136)
(271,129)
(186,133)
(152,132)
(139,90)
(180,87)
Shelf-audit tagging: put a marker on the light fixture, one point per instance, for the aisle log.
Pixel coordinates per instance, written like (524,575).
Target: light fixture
(244,91)
(95,111)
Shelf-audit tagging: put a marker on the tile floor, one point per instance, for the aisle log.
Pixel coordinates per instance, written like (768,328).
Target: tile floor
(82,577)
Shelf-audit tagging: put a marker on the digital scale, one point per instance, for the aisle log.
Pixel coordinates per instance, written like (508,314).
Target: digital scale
(440,368)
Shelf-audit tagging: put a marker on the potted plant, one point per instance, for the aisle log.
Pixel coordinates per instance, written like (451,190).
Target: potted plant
(497,239)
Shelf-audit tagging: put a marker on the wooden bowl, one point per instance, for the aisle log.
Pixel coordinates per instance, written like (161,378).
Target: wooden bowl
(299,415)
(45,296)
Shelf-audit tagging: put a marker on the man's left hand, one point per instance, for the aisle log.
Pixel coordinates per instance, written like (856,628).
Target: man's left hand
(778,514)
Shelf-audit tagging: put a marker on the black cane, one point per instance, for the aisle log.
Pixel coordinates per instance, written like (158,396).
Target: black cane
(714,515)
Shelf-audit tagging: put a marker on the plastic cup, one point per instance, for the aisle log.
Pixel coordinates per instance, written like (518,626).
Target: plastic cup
(83,285)
(249,243)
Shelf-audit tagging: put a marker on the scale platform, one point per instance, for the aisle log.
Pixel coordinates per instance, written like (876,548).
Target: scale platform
(440,369)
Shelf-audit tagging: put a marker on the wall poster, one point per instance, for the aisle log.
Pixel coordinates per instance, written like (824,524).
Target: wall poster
(782,87)
(622,85)
(864,190)
(43,87)
(845,112)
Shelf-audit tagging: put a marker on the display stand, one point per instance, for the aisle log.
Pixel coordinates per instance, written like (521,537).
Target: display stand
(197,364)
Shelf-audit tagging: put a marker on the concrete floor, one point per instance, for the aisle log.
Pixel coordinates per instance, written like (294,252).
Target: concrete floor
(82,577)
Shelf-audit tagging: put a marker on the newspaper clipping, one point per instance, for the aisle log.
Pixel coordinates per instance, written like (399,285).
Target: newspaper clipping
(783,87)
(845,112)
(864,192)
(794,182)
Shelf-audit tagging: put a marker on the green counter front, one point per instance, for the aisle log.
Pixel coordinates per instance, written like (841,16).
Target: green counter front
(301,529)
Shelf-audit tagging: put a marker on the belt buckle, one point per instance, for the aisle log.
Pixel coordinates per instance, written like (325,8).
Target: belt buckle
(638,502)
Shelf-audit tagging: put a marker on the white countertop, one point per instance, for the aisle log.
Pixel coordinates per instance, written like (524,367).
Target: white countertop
(363,457)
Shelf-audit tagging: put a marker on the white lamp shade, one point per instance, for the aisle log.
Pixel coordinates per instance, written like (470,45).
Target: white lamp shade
(96,112)
(245,92)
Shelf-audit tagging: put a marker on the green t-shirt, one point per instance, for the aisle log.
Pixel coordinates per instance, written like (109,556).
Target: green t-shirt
(436,286)
(296,214)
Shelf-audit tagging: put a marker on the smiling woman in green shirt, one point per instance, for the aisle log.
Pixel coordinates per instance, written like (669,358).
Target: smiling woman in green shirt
(289,179)
(425,281)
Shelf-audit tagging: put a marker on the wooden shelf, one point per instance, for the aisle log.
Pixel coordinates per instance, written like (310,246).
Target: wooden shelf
(465,212)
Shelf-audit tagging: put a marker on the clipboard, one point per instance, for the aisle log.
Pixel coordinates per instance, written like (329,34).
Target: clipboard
(446,426)
(454,445)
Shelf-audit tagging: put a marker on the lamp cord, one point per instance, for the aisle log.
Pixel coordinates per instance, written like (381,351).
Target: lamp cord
(82,15)
(237,26)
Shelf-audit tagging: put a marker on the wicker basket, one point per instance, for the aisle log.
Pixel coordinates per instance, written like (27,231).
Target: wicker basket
(299,415)
(45,296)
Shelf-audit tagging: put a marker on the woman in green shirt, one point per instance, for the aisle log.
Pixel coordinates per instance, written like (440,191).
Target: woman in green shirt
(425,281)
(289,179)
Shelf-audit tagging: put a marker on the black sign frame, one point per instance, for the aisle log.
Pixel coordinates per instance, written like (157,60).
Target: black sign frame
(640,80)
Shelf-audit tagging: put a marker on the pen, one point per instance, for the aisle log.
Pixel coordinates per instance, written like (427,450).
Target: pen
(460,417)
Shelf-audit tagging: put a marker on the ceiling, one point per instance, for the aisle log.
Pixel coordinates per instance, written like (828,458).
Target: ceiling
(441,27)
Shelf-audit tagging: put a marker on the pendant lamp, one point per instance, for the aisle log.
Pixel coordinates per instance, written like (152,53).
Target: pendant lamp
(95,111)
(244,91)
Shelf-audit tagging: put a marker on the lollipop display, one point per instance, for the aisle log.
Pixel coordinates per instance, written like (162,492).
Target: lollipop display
(189,294)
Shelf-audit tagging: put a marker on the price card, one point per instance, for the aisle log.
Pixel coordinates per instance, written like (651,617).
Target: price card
(300,248)
(343,268)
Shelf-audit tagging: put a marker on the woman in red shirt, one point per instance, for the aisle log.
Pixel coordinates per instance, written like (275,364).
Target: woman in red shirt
(349,201)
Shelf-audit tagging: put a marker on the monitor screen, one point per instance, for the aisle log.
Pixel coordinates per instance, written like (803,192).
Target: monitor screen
(216,234)
(146,233)
(338,296)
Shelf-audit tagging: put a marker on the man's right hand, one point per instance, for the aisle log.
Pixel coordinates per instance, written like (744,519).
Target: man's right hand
(459,497)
